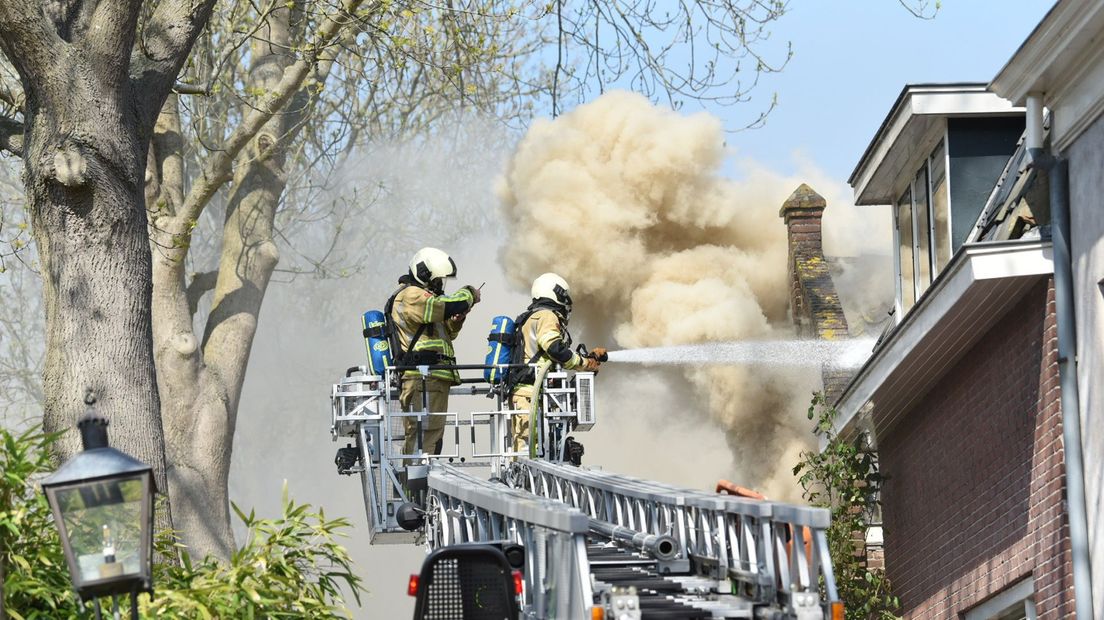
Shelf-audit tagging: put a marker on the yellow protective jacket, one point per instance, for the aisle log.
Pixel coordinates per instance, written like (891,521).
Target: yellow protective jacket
(415,306)
(544,332)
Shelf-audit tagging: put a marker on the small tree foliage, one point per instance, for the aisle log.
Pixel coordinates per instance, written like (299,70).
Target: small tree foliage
(844,478)
(289,567)
(33,574)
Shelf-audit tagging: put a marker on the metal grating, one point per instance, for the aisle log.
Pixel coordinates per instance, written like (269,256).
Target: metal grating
(467,588)
(584,397)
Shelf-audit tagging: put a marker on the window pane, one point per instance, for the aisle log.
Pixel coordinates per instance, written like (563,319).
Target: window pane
(940,208)
(1016,612)
(904,232)
(923,231)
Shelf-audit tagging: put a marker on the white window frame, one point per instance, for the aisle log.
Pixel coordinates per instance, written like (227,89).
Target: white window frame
(933,251)
(899,302)
(947,180)
(919,289)
(1021,593)
(899,291)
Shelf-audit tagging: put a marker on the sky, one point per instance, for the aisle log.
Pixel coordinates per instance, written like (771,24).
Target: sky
(851,59)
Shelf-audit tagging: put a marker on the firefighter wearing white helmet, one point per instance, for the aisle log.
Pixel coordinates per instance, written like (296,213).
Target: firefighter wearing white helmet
(543,330)
(426,321)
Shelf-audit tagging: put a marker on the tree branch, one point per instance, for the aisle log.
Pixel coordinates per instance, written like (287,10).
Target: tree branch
(181,88)
(165,46)
(111,32)
(200,284)
(71,20)
(9,96)
(11,136)
(219,166)
(27,39)
(919,8)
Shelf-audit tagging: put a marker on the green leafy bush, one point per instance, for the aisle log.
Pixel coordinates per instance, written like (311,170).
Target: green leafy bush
(844,478)
(291,567)
(33,573)
(288,567)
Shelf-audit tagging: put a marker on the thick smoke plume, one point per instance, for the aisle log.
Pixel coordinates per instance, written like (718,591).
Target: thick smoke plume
(626,201)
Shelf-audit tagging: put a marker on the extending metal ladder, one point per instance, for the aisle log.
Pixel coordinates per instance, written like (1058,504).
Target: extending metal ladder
(592,539)
(773,554)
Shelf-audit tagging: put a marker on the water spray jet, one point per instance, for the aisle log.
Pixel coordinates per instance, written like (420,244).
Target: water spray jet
(834,354)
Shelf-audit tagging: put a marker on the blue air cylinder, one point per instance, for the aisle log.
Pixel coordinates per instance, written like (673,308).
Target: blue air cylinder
(501,341)
(375,340)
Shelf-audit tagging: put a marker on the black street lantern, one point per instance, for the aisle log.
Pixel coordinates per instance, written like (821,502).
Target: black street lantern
(102,501)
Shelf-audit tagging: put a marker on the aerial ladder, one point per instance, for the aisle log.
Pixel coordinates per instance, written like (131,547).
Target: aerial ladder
(575,542)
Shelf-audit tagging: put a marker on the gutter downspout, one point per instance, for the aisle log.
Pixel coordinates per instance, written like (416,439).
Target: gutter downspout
(1058,171)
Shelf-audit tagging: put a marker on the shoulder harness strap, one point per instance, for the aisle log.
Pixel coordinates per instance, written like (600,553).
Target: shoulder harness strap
(517,375)
(393,334)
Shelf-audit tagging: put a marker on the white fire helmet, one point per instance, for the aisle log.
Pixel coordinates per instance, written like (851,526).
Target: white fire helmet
(552,287)
(431,264)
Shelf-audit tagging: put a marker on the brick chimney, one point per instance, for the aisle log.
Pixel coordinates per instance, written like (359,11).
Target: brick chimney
(815,305)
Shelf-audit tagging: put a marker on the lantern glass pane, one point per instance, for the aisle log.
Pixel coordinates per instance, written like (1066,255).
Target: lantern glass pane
(103,521)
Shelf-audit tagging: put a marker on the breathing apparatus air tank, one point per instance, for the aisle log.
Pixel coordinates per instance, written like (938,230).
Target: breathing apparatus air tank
(500,349)
(376,341)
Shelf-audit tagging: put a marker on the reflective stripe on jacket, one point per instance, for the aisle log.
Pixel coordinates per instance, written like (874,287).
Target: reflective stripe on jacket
(539,332)
(415,306)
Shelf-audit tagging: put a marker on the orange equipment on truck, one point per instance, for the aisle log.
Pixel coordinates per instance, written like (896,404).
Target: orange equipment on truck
(731,488)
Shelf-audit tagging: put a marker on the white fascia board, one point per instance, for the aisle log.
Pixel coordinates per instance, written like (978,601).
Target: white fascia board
(956,100)
(962,103)
(1057,44)
(1062,60)
(972,264)
(878,154)
(1080,101)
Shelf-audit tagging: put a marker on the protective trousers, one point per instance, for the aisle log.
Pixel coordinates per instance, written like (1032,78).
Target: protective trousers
(433,428)
(520,426)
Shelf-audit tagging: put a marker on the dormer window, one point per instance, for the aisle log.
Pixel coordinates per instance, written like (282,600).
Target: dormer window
(934,159)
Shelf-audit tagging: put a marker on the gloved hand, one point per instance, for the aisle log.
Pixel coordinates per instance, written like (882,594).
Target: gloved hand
(600,353)
(590,364)
(474,292)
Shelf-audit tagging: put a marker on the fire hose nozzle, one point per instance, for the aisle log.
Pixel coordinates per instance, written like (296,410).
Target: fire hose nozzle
(599,354)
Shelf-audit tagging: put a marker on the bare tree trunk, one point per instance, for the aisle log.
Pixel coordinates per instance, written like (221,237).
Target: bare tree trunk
(91,101)
(193,402)
(82,171)
(202,382)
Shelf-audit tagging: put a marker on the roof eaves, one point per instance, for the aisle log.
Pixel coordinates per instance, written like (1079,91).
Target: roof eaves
(1026,68)
(850,414)
(895,109)
(1018,56)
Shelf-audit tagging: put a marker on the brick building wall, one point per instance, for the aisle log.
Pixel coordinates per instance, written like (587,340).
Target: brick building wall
(974,497)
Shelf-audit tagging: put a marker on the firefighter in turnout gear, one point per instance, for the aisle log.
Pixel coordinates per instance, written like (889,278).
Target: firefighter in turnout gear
(543,331)
(425,322)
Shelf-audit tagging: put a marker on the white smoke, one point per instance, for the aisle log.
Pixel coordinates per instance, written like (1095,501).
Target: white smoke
(626,201)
